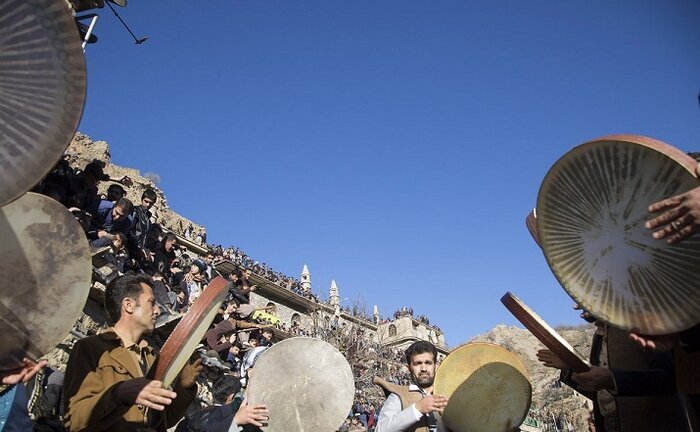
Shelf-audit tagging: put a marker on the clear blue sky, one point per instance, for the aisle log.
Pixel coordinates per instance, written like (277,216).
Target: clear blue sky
(395,146)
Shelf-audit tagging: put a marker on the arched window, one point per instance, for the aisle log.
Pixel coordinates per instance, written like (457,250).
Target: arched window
(392,330)
(296,319)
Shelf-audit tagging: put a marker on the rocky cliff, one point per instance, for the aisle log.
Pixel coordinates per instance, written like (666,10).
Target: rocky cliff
(550,399)
(83,150)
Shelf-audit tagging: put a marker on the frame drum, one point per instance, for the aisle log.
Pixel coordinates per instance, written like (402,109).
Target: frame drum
(591,211)
(487,386)
(42,90)
(188,333)
(547,335)
(531,224)
(46,270)
(306,384)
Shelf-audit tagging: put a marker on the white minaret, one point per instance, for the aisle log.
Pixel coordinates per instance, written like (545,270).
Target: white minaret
(306,279)
(334,295)
(376,314)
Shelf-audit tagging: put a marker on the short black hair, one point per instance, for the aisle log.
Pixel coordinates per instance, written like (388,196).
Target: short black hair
(225,386)
(169,236)
(420,347)
(115,186)
(125,204)
(150,194)
(120,288)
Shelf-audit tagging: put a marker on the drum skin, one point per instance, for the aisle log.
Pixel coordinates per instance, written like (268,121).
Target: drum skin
(46,271)
(188,333)
(591,213)
(487,387)
(306,384)
(42,90)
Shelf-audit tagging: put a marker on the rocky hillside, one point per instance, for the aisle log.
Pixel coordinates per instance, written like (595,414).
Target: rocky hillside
(547,396)
(83,150)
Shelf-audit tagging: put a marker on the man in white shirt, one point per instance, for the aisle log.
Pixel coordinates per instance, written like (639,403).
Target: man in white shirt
(414,408)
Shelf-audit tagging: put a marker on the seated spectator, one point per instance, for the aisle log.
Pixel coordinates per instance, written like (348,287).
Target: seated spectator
(227,311)
(81,188)
(110,219)
(234,358)
(115,192)
(165,256)
(266,337)
(244,286)
(221,337)
(192,285)
(118,255)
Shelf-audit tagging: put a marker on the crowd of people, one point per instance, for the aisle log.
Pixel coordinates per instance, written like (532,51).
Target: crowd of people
(134,245)
(632,380)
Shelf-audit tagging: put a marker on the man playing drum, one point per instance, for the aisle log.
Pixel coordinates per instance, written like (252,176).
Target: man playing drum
(413,408)
(105,383)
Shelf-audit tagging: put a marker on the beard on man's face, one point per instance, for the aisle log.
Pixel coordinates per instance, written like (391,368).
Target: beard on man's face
(423,381)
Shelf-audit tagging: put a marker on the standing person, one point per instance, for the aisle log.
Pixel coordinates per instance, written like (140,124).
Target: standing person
(631,390)
(413,408)
(676,219)
(105,383)
(141,226)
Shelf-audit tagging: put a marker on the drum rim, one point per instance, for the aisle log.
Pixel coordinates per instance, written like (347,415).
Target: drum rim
(543,332)
(685,161)
(185,330)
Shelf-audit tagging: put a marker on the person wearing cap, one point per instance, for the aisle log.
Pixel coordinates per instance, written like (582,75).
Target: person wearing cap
(414,407)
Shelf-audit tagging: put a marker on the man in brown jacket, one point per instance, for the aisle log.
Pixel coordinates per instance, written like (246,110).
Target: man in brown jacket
(105,384)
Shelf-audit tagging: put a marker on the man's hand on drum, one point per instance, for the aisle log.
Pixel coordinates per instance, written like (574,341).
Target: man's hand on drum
(251,414)
(146,392)
(679,218)
(658,343)
(598,378)
(24,373)
(549,359)
(432,403)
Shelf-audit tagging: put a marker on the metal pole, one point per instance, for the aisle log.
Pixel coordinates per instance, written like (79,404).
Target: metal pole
(90,29)
(138,40)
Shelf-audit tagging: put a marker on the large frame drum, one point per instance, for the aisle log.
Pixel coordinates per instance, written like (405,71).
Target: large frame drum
(42,90)
(591,213)
(306,384)
(487,386)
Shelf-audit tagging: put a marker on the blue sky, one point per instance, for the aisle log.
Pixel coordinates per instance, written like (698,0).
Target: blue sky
(395,146)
